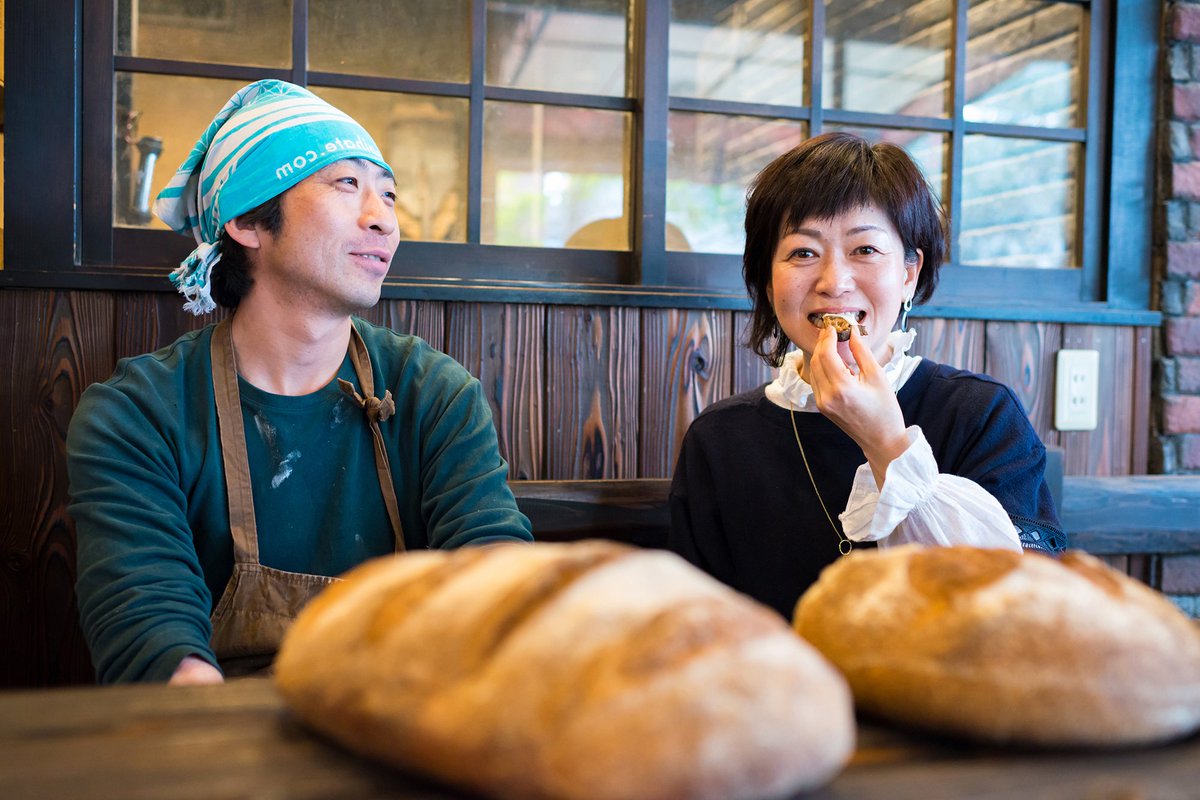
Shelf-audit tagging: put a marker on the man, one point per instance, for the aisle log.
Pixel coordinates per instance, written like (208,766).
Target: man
(219,483)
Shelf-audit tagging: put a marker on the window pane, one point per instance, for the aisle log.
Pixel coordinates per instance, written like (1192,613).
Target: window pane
(555,176)
(930,150)
(1018,206)
(253,32)
(712,160)
(391,38)
(152,112)
(558,45)
(1023,63)
(889,57)
(425,140)
(752,51)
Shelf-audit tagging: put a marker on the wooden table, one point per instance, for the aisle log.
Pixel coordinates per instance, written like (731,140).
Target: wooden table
(238,741)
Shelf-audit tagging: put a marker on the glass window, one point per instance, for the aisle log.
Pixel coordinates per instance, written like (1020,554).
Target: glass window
(928,148)
(159,118)
(890,57)
(546,144)
(431,190)
(391,38)
(558,45)
(712,160)
(752,51)
(1023,63)
(1018,206)
(555,176)
(251,32)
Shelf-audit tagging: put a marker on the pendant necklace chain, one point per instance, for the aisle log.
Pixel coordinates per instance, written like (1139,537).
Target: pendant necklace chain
(844,544)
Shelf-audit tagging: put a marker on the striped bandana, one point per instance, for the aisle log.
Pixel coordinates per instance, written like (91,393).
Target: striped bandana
(269,136)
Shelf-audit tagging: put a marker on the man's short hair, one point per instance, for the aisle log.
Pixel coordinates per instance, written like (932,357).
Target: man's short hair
(231,278)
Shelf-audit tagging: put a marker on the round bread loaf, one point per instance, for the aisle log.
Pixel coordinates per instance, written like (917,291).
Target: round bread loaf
(586,670)
(1005,647)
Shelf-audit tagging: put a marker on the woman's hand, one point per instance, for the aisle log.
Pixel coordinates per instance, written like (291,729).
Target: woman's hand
(862,405)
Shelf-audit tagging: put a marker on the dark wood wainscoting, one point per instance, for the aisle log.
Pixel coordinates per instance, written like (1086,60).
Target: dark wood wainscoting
(577,392)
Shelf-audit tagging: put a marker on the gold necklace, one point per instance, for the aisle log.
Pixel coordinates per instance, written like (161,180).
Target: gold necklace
(844,544)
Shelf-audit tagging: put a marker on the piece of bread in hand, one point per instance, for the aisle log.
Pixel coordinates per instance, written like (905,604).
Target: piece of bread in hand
(1005,647)
(587,670)
(840,323)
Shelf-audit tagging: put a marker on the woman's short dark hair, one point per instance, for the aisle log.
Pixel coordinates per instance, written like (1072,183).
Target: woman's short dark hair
(820,179)
(231,278)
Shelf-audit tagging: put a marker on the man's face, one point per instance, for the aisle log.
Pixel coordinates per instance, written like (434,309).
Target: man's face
(338,236)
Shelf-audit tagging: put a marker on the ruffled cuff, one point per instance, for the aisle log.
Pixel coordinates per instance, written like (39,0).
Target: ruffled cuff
(871,513)
(919,505)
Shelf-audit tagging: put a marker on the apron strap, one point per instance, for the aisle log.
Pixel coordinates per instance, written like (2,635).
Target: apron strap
(242,524)
(377,410)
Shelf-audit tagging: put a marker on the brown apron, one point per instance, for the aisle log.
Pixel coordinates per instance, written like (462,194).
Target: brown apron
(259,602)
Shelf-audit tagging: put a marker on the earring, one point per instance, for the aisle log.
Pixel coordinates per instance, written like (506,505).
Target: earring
(905,307)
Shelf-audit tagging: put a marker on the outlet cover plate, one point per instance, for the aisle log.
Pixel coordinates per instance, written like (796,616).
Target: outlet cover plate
(1077,390)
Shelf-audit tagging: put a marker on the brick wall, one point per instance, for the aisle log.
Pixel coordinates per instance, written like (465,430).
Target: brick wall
(1177,393)
(1177,440)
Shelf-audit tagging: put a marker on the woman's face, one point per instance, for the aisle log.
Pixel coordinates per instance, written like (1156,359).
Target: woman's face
(853,262)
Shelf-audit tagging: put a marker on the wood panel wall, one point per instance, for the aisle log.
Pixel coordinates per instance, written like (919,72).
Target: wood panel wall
(577,392)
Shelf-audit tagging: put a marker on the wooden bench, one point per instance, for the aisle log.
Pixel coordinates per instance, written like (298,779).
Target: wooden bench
(631,511)
(1132,516)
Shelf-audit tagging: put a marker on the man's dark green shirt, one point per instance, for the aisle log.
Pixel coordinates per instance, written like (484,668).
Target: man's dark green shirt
(149,500)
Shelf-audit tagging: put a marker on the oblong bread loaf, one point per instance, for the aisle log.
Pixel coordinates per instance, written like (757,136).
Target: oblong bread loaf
(587,670)
(1005,647)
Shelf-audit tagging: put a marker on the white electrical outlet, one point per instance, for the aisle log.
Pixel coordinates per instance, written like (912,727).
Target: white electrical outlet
(1076,390)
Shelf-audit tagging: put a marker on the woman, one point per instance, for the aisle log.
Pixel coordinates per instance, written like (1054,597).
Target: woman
(856,441)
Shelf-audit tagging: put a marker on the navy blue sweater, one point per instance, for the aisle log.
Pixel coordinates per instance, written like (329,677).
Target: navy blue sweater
(743,508)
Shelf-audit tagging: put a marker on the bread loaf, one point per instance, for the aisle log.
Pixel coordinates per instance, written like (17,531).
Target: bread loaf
(1006,647)
(586,670)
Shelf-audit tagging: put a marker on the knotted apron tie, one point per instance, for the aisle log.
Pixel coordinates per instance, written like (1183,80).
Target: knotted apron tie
(377,410)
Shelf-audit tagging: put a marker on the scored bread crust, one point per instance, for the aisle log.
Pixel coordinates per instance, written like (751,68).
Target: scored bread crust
(587,670)
(1005,647)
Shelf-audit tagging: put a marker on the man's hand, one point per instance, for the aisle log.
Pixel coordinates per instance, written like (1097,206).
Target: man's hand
(195,671)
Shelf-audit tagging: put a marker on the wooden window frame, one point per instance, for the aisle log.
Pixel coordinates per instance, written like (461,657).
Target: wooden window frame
(58,169)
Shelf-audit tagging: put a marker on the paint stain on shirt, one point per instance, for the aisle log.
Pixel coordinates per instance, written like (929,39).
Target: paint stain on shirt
(283,464)
(285,469)
(338,413)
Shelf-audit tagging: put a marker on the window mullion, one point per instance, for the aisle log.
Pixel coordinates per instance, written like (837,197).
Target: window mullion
(648,184)
(300,42)
(97,129)
(816,66)
(1088,227)
(1131,200)
(475,121)
(958,102)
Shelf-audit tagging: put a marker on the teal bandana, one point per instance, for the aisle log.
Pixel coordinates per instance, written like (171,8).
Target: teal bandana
(269,136)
